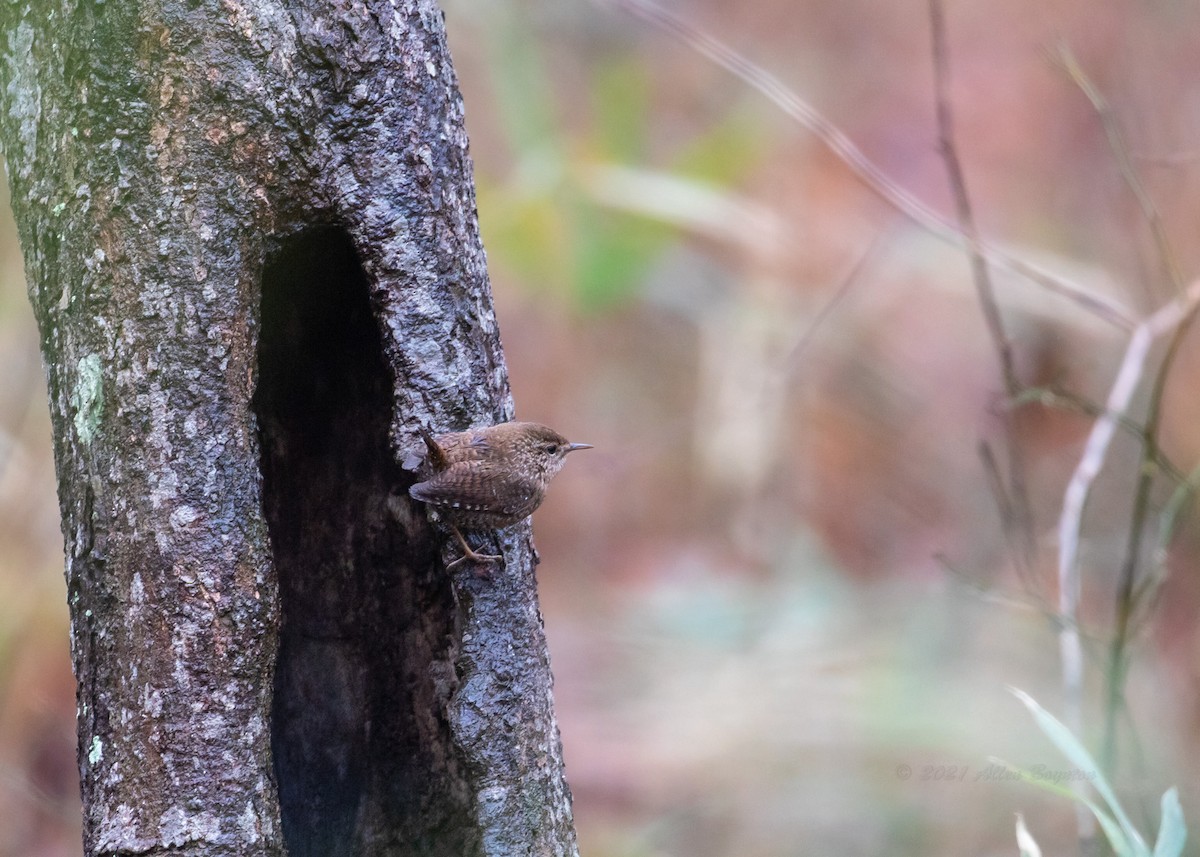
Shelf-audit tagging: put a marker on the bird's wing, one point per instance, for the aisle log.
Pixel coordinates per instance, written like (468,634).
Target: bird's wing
(477,487)
(465,446)
(439,452)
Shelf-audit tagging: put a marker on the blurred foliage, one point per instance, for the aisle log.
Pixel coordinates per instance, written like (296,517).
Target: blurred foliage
(541,224)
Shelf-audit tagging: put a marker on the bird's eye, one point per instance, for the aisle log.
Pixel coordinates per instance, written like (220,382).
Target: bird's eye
(550,449)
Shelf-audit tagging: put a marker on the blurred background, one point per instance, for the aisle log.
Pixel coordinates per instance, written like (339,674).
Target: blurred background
(781,604)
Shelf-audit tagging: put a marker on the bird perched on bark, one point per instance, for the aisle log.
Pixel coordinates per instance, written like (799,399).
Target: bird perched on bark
(488,478)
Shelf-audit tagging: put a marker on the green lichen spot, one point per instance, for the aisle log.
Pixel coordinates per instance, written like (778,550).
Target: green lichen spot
(96,753)
(87,398)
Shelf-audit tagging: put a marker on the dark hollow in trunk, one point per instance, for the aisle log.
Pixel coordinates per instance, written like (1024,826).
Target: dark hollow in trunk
(254,257)
(362,749)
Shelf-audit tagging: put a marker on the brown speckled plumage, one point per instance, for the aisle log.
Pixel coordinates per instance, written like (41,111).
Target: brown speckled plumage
(490,477)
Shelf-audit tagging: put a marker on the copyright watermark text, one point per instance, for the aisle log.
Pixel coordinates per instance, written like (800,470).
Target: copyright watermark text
(993,773)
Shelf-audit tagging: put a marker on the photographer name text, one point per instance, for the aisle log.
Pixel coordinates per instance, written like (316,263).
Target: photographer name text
(992,773)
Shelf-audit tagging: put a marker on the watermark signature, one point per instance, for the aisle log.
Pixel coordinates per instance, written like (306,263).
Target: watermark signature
(992,773)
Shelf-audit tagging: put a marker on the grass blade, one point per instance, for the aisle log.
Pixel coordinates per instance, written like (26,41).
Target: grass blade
(1172,831)
(1078,756)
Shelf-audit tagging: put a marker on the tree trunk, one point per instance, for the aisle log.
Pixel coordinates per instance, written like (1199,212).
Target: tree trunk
(250,236)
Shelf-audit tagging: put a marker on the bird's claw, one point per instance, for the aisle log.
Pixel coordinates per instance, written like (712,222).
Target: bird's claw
(477,558)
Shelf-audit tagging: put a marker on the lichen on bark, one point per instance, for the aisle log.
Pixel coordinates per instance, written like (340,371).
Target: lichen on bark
(250,236)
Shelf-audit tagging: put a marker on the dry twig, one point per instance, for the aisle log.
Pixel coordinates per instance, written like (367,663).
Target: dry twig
(1127,588)
(1018,518)
(1070,526)
(1066,60)
(962,200)
(872,177)
(847,284)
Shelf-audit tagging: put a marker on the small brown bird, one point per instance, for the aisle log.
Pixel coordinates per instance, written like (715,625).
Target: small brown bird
(487,478)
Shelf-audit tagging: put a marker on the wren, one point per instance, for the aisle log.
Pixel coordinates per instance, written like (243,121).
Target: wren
(488,478)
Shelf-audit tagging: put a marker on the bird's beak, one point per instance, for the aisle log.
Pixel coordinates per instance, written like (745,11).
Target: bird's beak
(571,447)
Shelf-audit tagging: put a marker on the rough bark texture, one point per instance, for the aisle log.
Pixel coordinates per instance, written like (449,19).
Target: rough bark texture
(250,236)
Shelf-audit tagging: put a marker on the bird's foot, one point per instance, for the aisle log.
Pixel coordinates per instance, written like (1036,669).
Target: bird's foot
(481,560)
(477,558)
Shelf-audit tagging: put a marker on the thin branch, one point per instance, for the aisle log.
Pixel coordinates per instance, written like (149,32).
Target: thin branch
(1126,600)
(1172,513)
(1116,142)
(1175,315)
(999,491)
(1053,397)
(872,177)
(1028,601)
(1145,592)
(1127,579)
(847,284)
(1020,516)
(962,200)
(1012,522)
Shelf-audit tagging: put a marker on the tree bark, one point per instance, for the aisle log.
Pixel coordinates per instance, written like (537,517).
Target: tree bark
(250,236)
